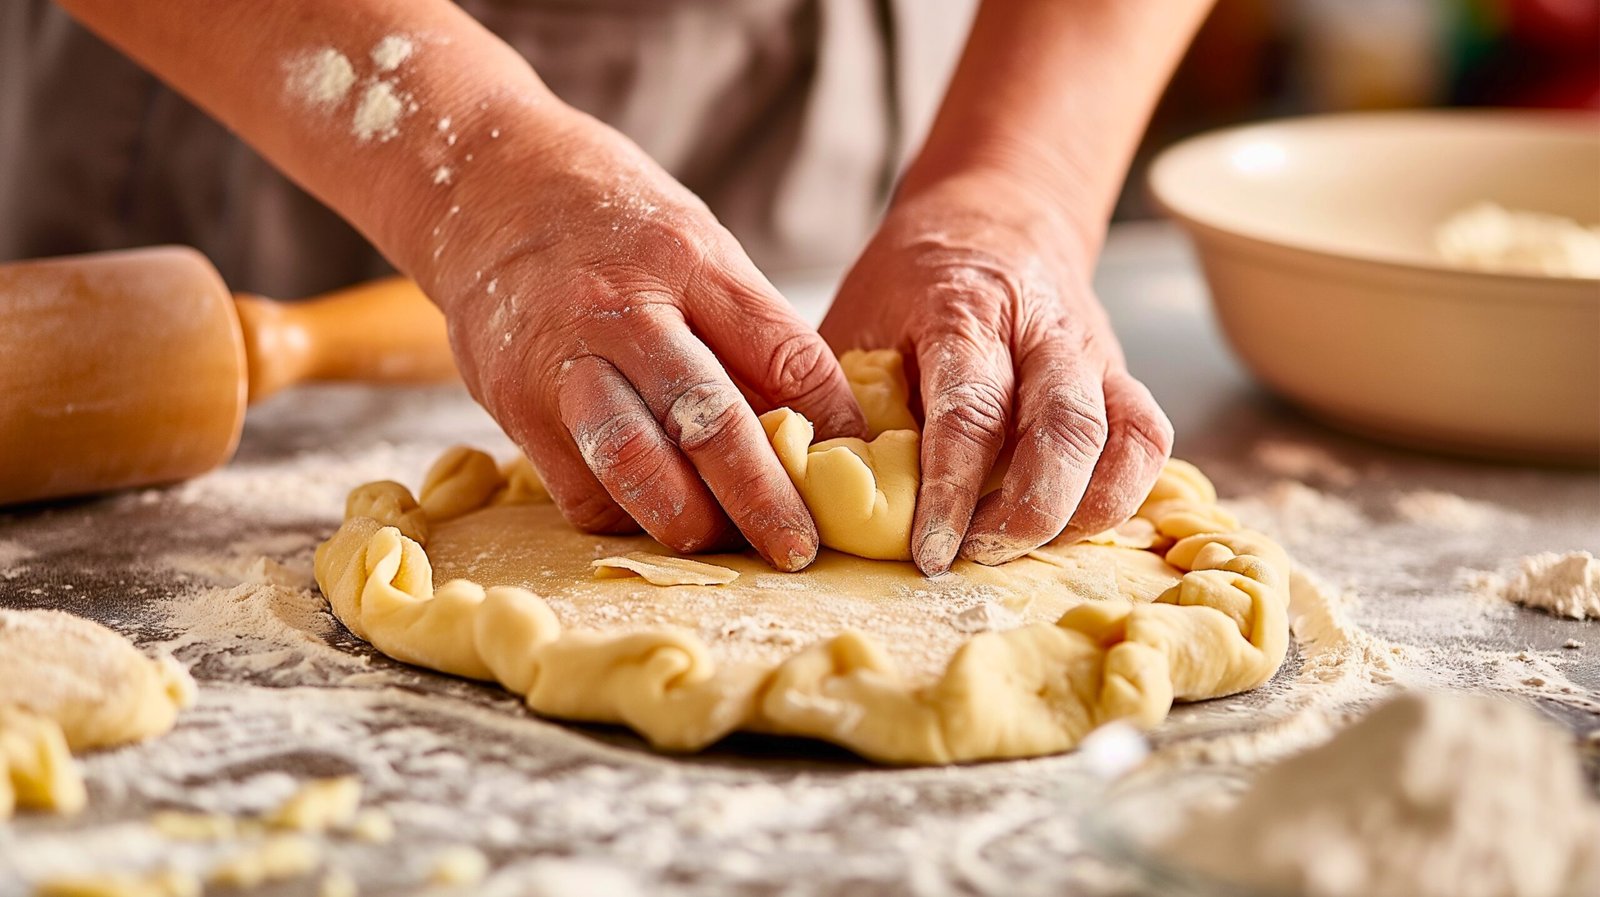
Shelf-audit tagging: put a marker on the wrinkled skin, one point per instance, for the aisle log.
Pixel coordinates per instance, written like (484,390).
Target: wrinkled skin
(624,341)
(975,278)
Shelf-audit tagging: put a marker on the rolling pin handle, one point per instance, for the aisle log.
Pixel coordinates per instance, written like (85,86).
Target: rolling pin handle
(385,331)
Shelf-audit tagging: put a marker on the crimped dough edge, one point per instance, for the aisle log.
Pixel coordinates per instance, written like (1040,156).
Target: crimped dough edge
(1034,690)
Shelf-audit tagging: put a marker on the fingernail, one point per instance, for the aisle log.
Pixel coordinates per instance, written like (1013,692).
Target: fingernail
(991,550)
(937,551)
(791,550)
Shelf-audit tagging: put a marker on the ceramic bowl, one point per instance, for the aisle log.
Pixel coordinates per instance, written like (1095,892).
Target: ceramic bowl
(1316,236)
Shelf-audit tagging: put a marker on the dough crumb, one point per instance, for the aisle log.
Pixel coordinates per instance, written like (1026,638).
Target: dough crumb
(319,806)
(166,883)
(278,858)
(461,864)
(182,826)
(1412,800)
(373,826)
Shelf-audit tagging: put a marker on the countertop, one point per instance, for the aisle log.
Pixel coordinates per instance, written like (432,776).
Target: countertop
(286,694)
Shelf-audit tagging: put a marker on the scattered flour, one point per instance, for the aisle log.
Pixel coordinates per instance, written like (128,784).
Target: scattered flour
(1293,510)
(388,53)
(1567,585)
(1446,510)
(1428,796)
(990,616)
(322,77)
(378,113)
(1303,461)
(13,557)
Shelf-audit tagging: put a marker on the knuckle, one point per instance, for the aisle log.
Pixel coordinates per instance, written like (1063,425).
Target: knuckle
(1149,429)
(1073,426)
(801,367)
(621,450)
(972,412)
(704,414)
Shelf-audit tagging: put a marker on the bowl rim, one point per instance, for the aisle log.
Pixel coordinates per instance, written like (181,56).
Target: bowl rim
(1158,181)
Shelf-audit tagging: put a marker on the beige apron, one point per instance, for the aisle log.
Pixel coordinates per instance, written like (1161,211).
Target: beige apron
(789,117)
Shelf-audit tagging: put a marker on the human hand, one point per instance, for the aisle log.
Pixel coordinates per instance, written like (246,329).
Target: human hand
(593,303)
(984,288)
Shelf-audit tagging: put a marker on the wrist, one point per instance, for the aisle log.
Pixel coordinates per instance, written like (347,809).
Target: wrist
(1033,189)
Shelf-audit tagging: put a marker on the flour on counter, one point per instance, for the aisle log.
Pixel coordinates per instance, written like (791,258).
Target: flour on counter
(1303,461)
(13,558)
(1566,585)
(1448,510)
(1418,799)
(1294,510)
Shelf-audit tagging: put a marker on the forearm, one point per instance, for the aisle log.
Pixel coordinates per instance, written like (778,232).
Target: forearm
(1057,94)
(381,108)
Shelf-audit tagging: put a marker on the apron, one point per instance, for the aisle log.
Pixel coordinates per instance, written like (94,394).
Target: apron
(790,118)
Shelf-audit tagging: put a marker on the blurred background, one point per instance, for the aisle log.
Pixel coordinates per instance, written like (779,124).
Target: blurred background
(1263,58)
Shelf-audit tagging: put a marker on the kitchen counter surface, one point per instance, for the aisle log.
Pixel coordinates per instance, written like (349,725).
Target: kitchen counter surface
(217,571)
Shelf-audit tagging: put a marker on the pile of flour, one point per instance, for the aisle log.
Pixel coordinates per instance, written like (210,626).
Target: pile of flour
(1430,795)
(1567,585)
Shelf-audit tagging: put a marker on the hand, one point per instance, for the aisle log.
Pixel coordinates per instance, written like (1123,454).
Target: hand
(983,287)
(593,303)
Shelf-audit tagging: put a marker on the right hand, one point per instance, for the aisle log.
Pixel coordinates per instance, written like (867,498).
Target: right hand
(615,330)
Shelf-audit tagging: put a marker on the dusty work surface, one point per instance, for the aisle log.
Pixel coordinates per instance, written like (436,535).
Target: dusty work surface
(218,571)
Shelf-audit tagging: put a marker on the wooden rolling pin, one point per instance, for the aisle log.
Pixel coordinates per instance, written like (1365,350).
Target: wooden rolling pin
(125,369)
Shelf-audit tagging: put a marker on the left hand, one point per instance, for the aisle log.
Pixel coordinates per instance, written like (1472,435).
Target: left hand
(984,287)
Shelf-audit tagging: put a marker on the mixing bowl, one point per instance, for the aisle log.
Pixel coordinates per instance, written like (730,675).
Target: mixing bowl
(1316,236)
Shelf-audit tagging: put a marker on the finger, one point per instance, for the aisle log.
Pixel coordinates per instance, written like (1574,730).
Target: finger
(966,394)
(643,472)
(702,412)
(1138,444)
(772,352)
(572,486)
(1061,429)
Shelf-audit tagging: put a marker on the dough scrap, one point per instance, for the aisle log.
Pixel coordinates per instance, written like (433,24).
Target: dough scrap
(866,654)
(662,570)
(69,684)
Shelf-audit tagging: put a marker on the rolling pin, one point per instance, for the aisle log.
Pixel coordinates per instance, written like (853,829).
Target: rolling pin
(125,369)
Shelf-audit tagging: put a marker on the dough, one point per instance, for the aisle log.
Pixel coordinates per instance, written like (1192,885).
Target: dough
(862,494)
(659,570)
(1178,604)
(67,683)
(878,380)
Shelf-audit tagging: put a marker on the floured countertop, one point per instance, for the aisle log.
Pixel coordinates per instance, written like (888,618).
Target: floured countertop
(1401,553)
